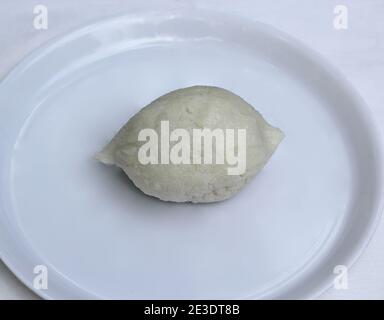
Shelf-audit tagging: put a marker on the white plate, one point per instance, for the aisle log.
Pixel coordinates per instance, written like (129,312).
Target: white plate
(313,206)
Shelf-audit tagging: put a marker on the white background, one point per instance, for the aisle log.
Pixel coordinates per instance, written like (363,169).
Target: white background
(358,52)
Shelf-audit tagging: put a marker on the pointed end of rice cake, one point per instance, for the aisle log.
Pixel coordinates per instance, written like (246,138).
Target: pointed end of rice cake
(105,156)
(274,136)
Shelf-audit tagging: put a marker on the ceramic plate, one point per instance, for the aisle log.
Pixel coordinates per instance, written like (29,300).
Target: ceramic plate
(313,207)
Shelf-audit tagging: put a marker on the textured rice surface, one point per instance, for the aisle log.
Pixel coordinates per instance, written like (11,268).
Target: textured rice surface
(189,108)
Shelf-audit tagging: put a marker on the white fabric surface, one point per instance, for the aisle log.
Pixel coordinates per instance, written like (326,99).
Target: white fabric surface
(358,52)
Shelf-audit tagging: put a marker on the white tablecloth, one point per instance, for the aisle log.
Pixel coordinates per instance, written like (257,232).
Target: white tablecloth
(357,51)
